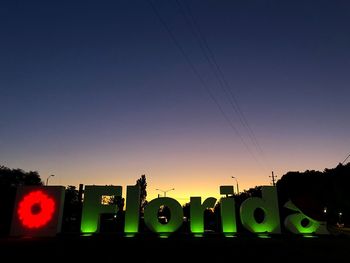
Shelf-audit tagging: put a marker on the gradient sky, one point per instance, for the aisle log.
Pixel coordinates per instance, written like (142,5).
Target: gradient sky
(97,92)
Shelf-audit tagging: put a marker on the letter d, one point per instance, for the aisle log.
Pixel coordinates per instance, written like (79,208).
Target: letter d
(269,204)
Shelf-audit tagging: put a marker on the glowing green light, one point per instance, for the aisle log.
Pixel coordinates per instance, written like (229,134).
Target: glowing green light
(151,215)
(88,227)
(269,204)
(228,216)
(263,236)
(92,207)
(197,212)
(309,236)
(294,221)
(132,213)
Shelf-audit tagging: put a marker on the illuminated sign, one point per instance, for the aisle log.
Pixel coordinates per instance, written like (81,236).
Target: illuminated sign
(38,211)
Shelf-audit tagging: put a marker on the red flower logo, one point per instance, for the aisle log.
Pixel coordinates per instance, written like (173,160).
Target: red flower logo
(35,209)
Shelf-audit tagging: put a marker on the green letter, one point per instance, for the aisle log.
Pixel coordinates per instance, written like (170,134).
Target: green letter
(269,204)
(227,211)
(197,212)
(293,222)
(151,215)
(93,205)
(132,210)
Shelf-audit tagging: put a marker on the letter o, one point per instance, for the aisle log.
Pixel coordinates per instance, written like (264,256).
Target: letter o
(151,215)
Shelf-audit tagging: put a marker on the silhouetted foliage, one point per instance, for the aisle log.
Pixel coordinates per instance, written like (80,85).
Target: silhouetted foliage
(186,222)
(72,210)
(313,191)
(111,222)
(251,192)
(217,214)
(10,179)
(143,192)
(186,210)
(210,217)
(119,201)
(209,220)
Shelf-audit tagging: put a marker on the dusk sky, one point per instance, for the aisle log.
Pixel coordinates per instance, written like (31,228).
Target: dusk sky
(189,93)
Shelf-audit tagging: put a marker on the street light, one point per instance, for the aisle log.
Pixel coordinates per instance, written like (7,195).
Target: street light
(340,220)
(236,183)
(164,192)
(47,180)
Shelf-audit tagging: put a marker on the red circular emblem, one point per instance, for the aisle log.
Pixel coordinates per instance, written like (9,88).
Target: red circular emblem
(35,209)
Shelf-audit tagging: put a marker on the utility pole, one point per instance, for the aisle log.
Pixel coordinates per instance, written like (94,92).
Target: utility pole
(273,177)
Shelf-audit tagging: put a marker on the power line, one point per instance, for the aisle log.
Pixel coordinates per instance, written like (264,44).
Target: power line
(202,81)
(345,159)
(220,76)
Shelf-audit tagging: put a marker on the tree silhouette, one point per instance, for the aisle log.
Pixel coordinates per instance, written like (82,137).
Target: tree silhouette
(315,191)
(143,192)
(119,201)
(72,210)
(10,179)
(186,210)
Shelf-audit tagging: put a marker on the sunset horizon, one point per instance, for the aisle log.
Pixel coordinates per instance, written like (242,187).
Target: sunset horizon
(189,93)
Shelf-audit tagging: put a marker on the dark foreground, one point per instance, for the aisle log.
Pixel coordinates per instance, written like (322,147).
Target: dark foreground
(110,248)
